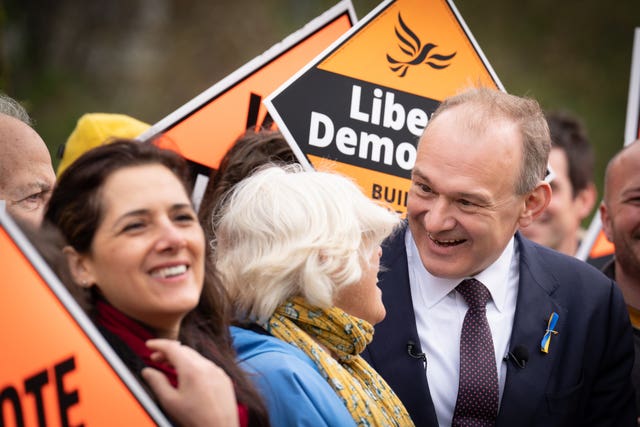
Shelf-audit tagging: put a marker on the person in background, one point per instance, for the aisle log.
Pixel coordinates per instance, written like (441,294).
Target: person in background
(573,189)
(620,214)
(26,172)
(95,129)
(136,250)
(250,151)
(299,253)
(483,326)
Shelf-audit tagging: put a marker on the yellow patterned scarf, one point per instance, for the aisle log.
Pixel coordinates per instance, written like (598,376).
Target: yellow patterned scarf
(366,394)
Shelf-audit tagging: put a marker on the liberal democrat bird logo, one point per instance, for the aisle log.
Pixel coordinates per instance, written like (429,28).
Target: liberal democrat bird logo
(410,44)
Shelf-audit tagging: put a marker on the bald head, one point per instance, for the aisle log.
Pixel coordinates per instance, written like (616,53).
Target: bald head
(620,168)
(26,173)
(620,213)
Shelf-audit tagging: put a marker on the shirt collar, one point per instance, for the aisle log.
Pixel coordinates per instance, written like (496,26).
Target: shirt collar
(495,277)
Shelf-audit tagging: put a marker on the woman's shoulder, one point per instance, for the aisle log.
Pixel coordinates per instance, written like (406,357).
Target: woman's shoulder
(266,349)
(295,392)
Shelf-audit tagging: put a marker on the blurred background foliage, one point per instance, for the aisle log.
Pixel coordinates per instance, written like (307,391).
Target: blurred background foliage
(146,58)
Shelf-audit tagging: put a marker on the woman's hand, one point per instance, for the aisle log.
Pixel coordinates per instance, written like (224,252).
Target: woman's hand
(205,394)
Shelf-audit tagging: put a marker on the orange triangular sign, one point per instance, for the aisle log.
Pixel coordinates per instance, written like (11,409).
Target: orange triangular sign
(204,128)
(360,106)
(55,367)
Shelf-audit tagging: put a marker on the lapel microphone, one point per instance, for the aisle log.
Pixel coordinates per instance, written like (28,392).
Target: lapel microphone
(412,351)
(519,356)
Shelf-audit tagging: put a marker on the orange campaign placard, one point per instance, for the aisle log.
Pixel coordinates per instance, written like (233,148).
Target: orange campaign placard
(361,106)
(55,367)
(205,128)
(421,47)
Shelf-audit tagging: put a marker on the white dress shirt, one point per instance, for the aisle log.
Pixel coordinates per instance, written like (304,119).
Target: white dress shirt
(440,311)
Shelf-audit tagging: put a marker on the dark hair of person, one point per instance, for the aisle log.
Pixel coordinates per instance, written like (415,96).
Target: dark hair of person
(75,209)
(49,243)
(569,134)
(250,151)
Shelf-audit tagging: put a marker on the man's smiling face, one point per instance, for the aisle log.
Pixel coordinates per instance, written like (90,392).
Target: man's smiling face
(463,208)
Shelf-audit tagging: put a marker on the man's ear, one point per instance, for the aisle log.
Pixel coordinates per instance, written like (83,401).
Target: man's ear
(80,267)
(605,219)
(535,203)
(584,201)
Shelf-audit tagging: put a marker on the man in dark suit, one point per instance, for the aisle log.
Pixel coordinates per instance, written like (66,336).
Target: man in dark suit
(560,324)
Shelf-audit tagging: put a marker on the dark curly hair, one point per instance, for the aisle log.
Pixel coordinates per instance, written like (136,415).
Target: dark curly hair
(75,208)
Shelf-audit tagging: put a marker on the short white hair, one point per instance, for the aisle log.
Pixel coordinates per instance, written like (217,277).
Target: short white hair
(287,232)
(12,108)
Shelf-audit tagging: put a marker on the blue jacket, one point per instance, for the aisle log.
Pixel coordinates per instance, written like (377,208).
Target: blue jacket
(293,389)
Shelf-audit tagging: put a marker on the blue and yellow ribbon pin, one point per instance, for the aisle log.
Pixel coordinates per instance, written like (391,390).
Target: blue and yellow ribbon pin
(546,339)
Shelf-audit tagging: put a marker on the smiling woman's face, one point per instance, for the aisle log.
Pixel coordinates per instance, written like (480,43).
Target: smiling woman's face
(147,256)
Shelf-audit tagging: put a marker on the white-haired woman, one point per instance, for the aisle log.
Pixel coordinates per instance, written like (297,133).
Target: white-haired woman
(298,252)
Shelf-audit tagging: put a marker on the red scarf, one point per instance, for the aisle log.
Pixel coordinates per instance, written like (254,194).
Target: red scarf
(134,335)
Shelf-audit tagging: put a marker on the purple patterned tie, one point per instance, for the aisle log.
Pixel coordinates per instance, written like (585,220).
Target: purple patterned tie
(477,403)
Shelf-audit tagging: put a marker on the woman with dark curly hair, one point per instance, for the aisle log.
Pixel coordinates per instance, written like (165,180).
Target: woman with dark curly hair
(136,249)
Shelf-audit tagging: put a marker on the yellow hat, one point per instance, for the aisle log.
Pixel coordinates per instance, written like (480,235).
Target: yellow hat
(94,129)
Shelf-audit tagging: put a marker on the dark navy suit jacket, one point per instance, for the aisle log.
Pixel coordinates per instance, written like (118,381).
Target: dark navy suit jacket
(584,379)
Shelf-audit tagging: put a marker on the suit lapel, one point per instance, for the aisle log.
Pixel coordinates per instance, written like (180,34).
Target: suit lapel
(388,352)
(525,387)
